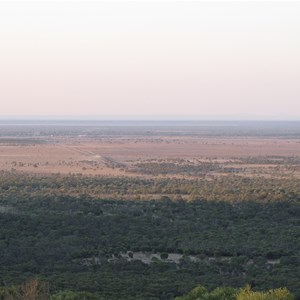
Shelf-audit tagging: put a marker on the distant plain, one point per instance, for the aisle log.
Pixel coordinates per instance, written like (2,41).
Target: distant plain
(121,148)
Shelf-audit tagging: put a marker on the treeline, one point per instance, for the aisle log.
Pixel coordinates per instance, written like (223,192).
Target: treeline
(157,168)
(228,188)
(238,165)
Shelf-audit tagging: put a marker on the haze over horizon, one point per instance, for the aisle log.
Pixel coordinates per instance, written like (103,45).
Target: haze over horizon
(153,118)
(161,59)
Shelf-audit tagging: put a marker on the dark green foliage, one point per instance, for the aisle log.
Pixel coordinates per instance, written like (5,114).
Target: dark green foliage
(71,295)
(164,255)
(78,242)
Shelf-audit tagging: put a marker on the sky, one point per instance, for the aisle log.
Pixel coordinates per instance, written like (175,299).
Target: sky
(150,58)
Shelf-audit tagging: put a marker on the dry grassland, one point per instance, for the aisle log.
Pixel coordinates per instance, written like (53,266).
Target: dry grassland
(116,156)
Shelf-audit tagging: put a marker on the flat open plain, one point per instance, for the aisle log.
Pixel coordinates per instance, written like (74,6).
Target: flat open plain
(115,156)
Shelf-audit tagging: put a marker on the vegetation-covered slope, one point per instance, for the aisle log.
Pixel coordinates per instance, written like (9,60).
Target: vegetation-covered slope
(133,249)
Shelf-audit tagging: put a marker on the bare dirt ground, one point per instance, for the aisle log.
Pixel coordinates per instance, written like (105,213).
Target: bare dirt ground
(115,156)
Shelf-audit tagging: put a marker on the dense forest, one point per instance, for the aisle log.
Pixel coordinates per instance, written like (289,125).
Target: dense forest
(85,234)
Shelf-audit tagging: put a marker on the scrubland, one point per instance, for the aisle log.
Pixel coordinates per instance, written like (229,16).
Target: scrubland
(150,211)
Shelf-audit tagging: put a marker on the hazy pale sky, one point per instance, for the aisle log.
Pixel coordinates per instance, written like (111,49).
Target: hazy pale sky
(150,58)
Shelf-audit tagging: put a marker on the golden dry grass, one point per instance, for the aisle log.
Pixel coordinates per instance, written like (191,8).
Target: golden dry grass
(94,157)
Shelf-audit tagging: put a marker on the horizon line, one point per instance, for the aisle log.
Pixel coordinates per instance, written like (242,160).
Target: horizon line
(157,117)
(146,118)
